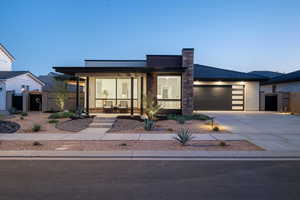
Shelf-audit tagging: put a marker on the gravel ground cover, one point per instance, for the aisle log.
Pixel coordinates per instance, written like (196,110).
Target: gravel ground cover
(162,126)
(241,145)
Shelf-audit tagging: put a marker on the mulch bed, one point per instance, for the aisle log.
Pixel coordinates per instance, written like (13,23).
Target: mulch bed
(74,125)
(242,145)
(8,127)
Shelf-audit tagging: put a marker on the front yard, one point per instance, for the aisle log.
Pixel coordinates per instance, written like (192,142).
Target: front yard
(30,121)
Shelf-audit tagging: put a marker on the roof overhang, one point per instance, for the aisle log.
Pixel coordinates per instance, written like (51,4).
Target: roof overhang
(6,52)
(226,79)
(75,70)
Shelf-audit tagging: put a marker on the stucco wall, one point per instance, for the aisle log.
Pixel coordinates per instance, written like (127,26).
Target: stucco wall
(252,96)
(5,62)
(2,96)
(251,92)
(24,79)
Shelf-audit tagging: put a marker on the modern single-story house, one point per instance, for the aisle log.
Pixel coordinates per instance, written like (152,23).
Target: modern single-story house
(282,93)
(14,84)
(178,84)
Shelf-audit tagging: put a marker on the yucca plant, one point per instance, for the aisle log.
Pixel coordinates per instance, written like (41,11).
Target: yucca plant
(183,136)
(148,124)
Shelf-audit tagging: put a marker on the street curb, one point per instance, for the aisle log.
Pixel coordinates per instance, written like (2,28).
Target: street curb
(163,155)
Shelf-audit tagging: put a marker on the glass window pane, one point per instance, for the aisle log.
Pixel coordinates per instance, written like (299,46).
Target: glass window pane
(106,88)
(124,88)
(169,87)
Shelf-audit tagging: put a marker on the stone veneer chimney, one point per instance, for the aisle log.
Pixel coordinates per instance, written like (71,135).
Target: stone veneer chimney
(187,81)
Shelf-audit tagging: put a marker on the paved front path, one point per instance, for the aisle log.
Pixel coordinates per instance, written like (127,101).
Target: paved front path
(272,131)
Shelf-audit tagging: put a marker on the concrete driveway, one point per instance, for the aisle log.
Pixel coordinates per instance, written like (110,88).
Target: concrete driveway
(273,131)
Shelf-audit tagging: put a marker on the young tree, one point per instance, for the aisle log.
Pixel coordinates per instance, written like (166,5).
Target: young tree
(61,90)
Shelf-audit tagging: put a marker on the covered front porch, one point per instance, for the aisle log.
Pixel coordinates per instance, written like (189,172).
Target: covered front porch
(112,93)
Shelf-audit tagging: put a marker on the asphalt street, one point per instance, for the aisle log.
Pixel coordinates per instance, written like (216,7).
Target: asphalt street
(130,180)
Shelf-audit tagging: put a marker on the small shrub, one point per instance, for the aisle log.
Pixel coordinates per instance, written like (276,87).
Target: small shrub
(181,120)
(67,114)
(21,118)
(170,129)
(61,115)
(36,143)
(183,136)
(222,144)
(123,144)
(53,121)
(188,117)
(148,124)
(24,114)
(36,128)
(54,116)
(216,128)
(172,117)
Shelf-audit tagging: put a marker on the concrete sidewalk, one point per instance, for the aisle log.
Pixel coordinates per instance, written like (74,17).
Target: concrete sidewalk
(149,155)
(118,136)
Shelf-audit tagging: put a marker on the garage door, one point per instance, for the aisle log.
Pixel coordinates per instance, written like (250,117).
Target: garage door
(218,97)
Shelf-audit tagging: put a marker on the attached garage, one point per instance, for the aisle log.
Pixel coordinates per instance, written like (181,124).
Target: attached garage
(218,97)
(219,89)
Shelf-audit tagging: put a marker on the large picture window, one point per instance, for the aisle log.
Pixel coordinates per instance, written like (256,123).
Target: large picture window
(169,91)
(116,90)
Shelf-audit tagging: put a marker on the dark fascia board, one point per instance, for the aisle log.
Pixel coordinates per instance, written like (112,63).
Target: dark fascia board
(163,55)
(73,70)
(190,49)
(228,79)
(117,60)
(281,81)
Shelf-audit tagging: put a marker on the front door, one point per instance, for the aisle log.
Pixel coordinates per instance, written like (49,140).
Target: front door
(271,103)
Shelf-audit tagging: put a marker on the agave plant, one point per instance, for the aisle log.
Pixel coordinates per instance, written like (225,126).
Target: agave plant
(148,124)
(184,136)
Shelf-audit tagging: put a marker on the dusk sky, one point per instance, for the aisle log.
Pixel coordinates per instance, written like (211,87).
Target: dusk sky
(241,35)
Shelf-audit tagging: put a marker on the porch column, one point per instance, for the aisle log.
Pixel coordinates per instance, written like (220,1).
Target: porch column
(142,96)
(77,93)
(87,93)
(132,86)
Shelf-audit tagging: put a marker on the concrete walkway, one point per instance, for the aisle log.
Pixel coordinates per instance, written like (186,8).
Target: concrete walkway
(98,135)
(99,125)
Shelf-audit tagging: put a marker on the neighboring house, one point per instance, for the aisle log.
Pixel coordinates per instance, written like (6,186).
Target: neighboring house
(15,83)
(6,59)
(281,93)
(176,83)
